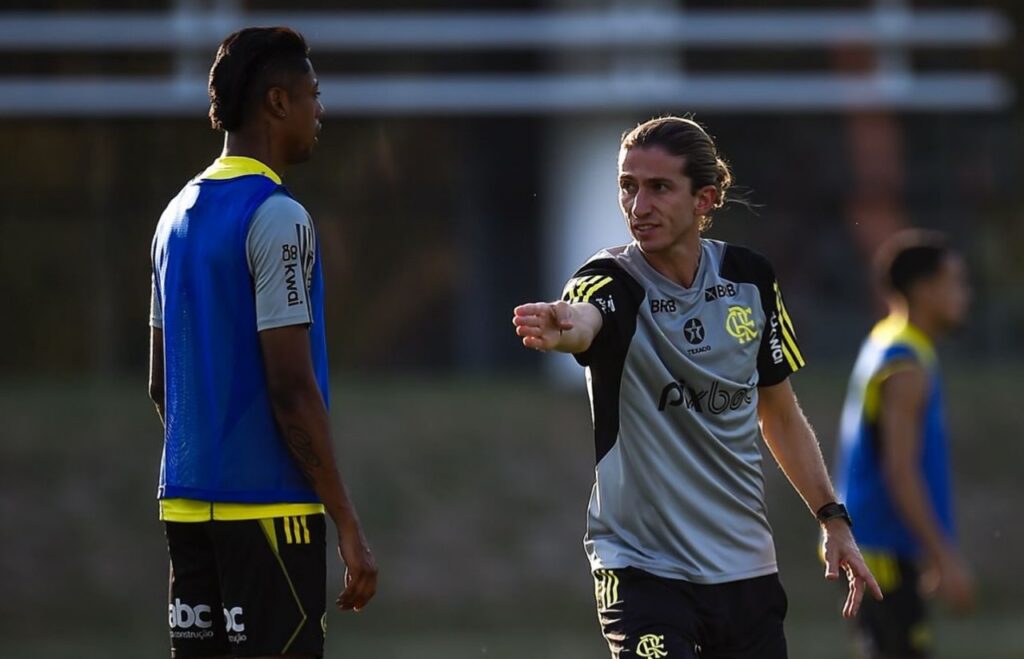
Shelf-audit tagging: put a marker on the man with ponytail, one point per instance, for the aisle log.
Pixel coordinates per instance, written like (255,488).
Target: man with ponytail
(688,348)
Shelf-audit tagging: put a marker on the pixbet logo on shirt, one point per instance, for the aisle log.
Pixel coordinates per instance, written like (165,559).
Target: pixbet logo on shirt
(183,616)
(715,400)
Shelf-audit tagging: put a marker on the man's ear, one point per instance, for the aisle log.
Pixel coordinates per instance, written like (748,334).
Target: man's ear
(278,102)
(705,200)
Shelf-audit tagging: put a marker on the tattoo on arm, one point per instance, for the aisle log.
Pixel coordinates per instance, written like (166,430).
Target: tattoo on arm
(301,445)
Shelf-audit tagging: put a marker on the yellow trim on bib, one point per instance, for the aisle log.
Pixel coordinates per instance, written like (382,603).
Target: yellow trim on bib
(897,329)
(192,510)
(235,166)
(885,568)
(888,332)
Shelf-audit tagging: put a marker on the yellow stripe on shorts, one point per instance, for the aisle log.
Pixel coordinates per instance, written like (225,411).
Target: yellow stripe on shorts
(606,588)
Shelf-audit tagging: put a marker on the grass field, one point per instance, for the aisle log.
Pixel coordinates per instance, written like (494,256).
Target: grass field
(978,639)
(473,494)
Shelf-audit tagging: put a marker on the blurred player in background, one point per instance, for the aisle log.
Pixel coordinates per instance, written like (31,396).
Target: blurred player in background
(893,468)
(688,346)
(239,376)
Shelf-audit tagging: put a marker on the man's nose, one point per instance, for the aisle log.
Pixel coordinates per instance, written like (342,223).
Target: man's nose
(641,205)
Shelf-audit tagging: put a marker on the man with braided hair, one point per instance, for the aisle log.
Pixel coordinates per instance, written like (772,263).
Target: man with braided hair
(238,373)
(687,347)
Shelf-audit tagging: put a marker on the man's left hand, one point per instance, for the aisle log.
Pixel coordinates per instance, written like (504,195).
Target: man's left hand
(841,551)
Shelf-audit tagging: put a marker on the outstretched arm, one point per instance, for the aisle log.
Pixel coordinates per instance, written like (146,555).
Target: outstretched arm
(301,415)
(795,448)
(558,326)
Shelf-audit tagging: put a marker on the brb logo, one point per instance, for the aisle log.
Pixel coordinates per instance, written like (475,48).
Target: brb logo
(183,616)
(715,400)
(663,306)
(719,291)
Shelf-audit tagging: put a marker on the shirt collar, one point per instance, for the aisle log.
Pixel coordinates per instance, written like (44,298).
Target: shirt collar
(898,327)
(234,166)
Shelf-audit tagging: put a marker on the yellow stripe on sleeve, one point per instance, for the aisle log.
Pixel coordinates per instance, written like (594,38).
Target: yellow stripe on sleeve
(793,365)
(789,346)
(575,287)
(789,349)
(598,285)
(782,309)
(584,285)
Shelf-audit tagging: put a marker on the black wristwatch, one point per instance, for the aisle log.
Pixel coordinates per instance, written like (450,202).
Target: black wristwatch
(833,510)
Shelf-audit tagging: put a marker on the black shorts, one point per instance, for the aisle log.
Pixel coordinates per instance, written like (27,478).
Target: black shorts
(898,625)
(247,588)
(643,615)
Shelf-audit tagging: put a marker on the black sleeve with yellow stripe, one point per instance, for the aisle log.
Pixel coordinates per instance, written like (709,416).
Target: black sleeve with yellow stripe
(779,355)
(614,293)
(583,287)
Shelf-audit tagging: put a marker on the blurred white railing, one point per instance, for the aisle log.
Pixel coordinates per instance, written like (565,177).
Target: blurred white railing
(486,31)
(192,33)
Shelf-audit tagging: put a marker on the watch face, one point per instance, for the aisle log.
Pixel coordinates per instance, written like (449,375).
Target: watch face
(834,511)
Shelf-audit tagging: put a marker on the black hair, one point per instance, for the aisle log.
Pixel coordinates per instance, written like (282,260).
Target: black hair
(909,257)
(685,138)
(248,63)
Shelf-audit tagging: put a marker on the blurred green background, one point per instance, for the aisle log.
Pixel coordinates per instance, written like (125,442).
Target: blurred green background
(470,458)
(473,493)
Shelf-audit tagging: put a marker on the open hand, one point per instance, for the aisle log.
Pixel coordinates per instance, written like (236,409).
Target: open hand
(841,552)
